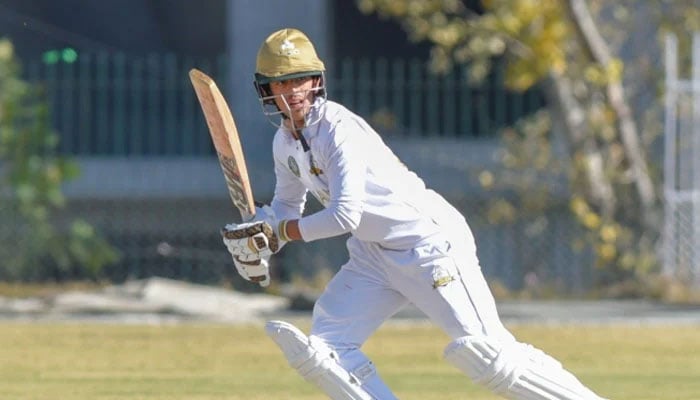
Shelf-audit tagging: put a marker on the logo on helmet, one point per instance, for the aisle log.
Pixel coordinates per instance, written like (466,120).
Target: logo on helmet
(288,48)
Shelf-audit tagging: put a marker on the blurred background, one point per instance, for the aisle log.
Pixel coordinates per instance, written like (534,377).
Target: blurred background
(565,131)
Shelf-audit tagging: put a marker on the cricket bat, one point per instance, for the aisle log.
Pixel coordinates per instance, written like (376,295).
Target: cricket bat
(222,128)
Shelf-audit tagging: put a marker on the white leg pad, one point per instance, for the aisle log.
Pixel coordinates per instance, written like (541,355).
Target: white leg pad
(359,366)
(316,362)
(515,370)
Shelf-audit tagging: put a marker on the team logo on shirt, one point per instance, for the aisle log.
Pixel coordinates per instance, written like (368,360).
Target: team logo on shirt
(293,166)
(315,170)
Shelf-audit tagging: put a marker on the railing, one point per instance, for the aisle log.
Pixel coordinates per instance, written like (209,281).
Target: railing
(114,104)
(403,97)
(681,249)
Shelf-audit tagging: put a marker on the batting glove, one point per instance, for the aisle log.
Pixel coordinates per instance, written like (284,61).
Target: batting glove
(250,241)
(267,214)
(254,271)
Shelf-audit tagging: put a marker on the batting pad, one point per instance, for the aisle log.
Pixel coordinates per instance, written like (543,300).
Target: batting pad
(515,370)
(316,362)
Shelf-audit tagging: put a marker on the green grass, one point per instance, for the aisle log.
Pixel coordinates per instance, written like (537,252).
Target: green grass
(198,362)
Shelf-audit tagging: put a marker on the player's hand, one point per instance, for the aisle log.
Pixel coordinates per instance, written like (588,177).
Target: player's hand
(267,214)
(257,270)
(250,241)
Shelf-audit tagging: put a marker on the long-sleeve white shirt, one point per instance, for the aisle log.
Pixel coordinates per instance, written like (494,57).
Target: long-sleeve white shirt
(363,186)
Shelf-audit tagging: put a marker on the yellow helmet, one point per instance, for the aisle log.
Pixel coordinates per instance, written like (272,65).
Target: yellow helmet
(287,54)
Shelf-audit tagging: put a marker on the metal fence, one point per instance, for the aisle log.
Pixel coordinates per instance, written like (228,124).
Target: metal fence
(117,107)
(682,166)
(116,104)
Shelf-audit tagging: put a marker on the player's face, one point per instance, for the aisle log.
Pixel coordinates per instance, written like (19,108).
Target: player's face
(294,97)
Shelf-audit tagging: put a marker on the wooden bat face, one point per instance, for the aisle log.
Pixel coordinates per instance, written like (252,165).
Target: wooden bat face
(224,135)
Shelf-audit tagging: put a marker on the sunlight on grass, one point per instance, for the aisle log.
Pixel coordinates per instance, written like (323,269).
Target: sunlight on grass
(198,362)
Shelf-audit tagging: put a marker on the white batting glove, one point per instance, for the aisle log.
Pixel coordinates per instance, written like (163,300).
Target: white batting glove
(254,271)
(267,214)
(250,241)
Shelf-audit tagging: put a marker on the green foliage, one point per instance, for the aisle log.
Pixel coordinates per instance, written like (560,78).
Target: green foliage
(34,242)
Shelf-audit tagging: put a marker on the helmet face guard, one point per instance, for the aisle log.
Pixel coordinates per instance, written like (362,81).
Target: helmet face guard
(275,115)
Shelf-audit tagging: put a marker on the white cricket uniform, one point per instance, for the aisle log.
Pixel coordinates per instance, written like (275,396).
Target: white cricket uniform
(407,245)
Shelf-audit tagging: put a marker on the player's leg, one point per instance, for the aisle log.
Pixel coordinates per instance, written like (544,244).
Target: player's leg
(316,362)
(353,306)
(447,284)
(515,370)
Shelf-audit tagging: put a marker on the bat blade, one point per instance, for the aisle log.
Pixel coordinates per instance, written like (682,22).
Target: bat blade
(224,135)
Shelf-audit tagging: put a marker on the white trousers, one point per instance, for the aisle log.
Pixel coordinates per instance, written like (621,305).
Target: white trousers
(441,277)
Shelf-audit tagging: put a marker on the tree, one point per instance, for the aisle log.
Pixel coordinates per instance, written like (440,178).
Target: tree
(34,242)
(571,49)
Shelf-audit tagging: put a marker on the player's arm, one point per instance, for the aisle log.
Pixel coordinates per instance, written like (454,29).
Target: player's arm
(345,168)
(288,201)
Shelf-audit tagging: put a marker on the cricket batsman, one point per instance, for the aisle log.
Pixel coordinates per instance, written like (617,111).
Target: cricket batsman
(406,245)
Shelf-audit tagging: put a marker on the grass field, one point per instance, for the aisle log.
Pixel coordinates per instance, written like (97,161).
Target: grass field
(198,362)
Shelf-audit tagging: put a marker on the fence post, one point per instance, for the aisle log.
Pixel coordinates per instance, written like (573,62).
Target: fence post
(364,87)
(347,82)
(119,132)
(695,133)
(449,126)
(172,139)
(432,112)
(85,100)
(153,132)
(136,131)
(670,98)
(188,130)
(681,249)
(415,83)
(102,123)
(67,124)
(465,101)
(398,97)
(381,83)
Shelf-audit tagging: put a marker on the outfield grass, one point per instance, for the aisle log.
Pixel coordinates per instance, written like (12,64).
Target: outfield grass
(198,362)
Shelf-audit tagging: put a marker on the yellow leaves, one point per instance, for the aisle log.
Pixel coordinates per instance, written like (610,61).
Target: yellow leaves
(606,252)
(477,44)
(6,50)
(533,33)
(501,211)
(615,69)
(559,63)
(590,220)
(448,34)
(609,233)
(538,33)
(486,179)
(578,206)
(604,74)
(613,243)
(510,23)
(520,75)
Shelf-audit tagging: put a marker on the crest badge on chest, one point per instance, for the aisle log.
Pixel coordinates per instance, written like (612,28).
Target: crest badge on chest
(293,166)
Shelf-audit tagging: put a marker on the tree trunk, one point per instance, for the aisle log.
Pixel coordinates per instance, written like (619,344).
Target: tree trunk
(598,51)
(569,111)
